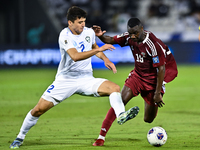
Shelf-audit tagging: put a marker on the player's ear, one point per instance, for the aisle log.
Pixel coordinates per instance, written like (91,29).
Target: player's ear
(70,22)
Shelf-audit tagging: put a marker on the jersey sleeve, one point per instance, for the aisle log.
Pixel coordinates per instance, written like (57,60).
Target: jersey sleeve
(158,54)
(120,39)
(171,70)
(93,37)
(66,43)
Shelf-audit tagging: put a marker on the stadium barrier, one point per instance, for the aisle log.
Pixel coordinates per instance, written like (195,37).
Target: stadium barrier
(184,52)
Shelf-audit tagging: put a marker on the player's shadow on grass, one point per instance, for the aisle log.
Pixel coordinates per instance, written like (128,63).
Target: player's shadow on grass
(68,142)
(74,142)
(111,142)
(123,139)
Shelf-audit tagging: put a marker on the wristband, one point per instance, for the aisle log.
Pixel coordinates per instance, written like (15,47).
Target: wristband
(199,28)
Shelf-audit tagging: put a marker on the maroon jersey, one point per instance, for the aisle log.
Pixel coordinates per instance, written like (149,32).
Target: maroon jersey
(148,55)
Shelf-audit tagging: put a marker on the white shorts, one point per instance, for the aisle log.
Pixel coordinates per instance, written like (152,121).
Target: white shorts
(63,88)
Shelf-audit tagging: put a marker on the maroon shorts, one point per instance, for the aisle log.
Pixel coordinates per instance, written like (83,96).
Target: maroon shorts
(139,86)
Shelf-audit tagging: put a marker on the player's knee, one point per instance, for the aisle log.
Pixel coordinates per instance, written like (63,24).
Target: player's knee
(108,88)
(124,101)
(115,88)
(148,120)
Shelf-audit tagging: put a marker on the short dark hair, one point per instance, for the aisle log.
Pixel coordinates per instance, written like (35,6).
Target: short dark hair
(75,12)
(134,22)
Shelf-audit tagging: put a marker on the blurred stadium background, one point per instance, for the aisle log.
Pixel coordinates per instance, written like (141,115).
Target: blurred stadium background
(29,29)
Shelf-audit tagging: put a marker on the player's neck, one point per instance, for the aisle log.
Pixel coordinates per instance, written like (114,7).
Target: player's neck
(73,31)
(142,38)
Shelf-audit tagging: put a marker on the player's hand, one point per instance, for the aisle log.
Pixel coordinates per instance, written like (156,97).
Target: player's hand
(110,66)
(158,100)
(106,47)
(98,31)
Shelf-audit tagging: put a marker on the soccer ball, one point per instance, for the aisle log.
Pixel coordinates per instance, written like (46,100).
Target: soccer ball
(157,136)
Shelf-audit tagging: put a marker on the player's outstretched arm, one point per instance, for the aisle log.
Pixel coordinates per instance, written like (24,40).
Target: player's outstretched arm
(100,34)
(76,56)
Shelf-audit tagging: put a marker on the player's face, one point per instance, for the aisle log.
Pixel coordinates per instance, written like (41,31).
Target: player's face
(77,26)
(135,33)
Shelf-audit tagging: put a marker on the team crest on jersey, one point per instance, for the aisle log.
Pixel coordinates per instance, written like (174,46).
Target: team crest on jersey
(143,54)
(65,41)
(155,59)
(87,38)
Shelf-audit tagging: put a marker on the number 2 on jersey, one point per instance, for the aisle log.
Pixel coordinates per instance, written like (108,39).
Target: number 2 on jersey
(83,47)
(51,88)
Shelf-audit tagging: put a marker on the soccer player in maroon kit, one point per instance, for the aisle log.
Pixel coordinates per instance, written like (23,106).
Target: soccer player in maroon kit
(154,67)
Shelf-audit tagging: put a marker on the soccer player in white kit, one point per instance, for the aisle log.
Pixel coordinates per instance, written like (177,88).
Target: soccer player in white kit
(75,75)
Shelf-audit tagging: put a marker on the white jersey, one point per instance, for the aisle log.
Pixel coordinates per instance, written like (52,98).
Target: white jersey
(82,42)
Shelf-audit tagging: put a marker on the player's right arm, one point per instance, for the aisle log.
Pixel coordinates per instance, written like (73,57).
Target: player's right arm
(76,56)
(68,45)
(104,38)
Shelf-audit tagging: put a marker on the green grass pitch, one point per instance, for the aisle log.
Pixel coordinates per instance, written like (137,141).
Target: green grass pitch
(76,122)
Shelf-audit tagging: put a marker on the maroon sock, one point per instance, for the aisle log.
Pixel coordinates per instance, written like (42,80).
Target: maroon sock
(109,119)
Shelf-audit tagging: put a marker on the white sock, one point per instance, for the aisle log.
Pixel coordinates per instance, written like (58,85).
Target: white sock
(101,137)
(116,103)
(29,121)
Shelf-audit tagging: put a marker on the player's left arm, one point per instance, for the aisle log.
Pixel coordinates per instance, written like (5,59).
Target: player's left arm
(159,63)
(107,62)
(160,78)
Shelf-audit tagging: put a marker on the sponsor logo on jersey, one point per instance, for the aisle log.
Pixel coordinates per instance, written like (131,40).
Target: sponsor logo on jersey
(155,59)
(87,38)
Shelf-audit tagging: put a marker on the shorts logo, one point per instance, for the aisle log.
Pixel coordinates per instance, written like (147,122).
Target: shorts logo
(65,41)
(155,59)
(87,38)
(103,129)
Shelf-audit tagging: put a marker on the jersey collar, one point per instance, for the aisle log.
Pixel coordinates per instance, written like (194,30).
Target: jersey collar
(147,36)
